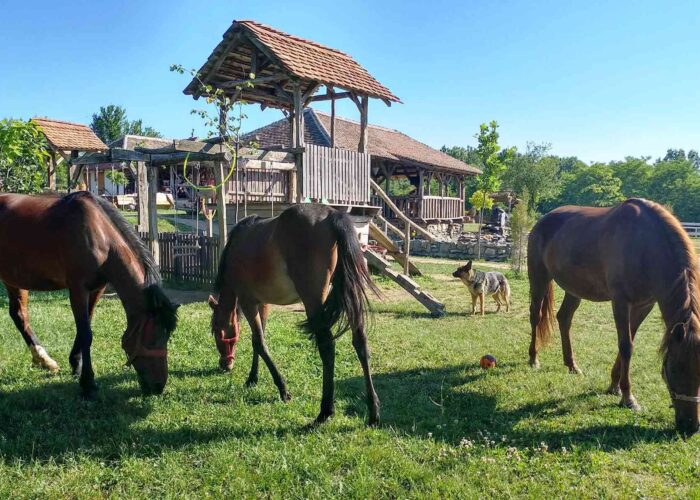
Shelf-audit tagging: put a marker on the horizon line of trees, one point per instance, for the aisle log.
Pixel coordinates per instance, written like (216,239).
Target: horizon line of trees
(551,181)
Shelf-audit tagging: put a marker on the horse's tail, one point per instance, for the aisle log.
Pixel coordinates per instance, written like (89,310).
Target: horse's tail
(546,323)
(347,304)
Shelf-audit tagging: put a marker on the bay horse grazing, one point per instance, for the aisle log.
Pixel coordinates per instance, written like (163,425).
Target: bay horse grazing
(635,254)
(309,253)
(80,242)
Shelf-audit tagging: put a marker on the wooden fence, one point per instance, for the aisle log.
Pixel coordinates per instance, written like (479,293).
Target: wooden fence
(692,228)
(422,207)
(187,257)
(257,185)
(334,175)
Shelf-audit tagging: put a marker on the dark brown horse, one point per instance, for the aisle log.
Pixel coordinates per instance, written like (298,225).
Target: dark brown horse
(309,253)
(80,243)
(635,254)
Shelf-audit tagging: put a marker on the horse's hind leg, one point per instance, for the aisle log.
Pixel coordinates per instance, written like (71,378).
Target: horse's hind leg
(264,311)
(19,312)
(75,358)
(359,342)
(252,314)
(564,317)
(637,315)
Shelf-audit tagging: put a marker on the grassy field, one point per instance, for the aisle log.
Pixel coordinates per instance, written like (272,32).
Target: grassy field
(166,220)
(448,427)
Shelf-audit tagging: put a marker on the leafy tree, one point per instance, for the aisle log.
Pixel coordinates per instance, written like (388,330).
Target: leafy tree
(674,154)
(481,201)
(492,166)
(111,123)
(469,156)
(521,221)
(674,184)
(635,176)
(694,158)
(23,157)
(594,186)
(569,164)
(535,172)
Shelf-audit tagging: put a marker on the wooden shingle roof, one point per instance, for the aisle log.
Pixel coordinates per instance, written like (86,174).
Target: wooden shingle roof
(67,136)
(297,57)
(383,142)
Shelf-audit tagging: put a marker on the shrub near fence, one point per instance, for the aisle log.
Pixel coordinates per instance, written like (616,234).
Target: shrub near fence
(187,257)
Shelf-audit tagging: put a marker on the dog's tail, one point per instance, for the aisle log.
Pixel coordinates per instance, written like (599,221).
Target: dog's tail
(506,291)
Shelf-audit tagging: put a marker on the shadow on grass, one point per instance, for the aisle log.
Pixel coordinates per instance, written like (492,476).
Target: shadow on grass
(441,402)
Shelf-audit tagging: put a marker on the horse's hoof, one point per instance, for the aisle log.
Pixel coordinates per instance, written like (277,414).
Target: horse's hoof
(614,390)
(42,359)
(630,403)
(575,370)
(285,396)
(373,420)
(89,394)
(225,365)
(322,417)
(534,364)
(251,382)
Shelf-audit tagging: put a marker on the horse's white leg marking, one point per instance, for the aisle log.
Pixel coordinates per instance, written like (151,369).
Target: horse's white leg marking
(41,358)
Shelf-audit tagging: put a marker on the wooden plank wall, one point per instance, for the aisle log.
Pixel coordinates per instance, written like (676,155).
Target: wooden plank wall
(187,257)
(335,175)
(259,185)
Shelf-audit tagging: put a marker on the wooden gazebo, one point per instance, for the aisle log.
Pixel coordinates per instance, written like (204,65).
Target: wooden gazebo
(259,64)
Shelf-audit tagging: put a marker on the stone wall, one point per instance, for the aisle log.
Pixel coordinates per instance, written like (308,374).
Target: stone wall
(496,250)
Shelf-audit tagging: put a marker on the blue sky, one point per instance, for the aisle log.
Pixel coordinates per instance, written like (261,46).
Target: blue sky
(600,80)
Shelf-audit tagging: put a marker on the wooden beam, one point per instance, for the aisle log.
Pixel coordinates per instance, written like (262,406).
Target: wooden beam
(153,213)
(298,139)
(252,81)
(219,176)
(142,195)
(398,212)
(331,93)
(306,96)
(363,145)
(329,96)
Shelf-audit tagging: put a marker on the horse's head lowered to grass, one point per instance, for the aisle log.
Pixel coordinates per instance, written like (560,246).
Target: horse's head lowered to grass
(146,339)
(226,328)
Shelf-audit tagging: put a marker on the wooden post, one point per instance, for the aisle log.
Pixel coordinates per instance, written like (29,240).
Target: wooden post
(52,171)
(74,172)
(362,146)
(219,176)
(298,140)
(406,248)
(153,211)
(331,92)
(142,191)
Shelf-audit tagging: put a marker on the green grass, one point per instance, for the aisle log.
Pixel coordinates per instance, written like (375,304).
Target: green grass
(166,220)
(448,428)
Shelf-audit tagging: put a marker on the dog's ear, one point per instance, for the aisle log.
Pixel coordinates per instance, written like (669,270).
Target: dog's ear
(468,266)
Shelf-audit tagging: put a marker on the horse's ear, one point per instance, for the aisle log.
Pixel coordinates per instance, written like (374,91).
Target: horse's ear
(468,266)
(213,303)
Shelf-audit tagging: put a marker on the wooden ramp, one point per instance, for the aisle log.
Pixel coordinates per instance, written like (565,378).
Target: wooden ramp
(377,262)
(383,240)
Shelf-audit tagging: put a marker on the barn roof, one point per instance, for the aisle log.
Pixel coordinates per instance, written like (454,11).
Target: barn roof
(67,136)
(298,58)
(383,142)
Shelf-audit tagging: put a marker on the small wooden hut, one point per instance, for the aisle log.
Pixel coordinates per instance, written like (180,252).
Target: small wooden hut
(66,141)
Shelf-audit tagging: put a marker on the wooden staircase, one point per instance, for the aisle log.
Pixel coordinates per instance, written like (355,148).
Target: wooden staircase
(377,262)
(380,233)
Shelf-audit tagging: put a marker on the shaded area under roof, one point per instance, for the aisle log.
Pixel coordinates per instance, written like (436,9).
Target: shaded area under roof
(67,136)
(384,143)
(280,53)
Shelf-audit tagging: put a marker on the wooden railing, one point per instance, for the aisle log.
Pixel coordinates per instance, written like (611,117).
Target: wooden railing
(422,208)
(333,175)
(258,185)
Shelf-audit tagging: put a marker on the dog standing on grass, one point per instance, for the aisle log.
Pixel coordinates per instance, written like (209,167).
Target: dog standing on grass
(481,283)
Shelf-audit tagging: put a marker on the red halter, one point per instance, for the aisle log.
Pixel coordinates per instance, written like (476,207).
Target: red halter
(139,350)
(230,345)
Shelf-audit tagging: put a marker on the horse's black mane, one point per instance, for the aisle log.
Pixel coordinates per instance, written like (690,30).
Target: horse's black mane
(156,300)
(242,224)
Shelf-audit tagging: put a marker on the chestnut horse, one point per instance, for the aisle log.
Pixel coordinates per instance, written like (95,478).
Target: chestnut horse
(80,242)
(635,254)
(309,253)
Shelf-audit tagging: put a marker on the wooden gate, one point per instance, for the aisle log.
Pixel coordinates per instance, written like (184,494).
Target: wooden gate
(188,257)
